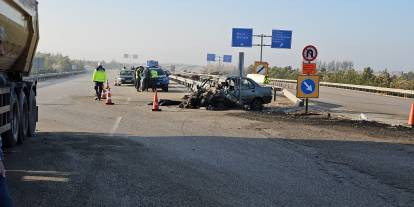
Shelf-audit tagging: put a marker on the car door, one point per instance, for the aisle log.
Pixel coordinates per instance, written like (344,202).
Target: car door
(248,90)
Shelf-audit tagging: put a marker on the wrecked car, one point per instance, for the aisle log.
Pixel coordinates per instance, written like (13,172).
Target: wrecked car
(219,94)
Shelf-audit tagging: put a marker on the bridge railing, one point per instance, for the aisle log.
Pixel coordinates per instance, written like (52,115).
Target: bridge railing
(370,89)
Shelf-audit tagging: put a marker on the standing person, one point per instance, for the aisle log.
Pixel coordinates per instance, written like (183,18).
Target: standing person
(5,200)
(154,77)
(145,79)
(99,77)
(138,73)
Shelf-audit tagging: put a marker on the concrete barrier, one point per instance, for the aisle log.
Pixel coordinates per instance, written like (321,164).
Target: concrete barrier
(292,97)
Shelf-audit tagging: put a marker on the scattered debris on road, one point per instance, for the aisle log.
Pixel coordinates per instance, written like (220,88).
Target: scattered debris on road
(219,94)
(211,95)
(314,117)
(166,102)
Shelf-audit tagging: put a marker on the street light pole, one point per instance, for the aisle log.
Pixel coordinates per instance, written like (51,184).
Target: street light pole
(261,45)
(241,68)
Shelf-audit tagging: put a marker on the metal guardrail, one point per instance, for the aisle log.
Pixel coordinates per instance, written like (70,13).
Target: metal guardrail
(42,77)
(370,89)
(192,84)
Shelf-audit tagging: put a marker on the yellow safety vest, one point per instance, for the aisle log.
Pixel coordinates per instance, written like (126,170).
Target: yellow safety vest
(154,74)
(99,76)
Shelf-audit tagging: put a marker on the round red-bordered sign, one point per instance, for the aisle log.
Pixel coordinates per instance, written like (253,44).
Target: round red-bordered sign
(310,53)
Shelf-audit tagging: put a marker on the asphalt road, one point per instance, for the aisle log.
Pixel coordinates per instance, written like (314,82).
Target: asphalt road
(349,103)
(90,154)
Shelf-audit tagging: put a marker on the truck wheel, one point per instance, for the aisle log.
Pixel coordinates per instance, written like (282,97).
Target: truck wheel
(11,137)
(24,117)
(256,105)
(32,114)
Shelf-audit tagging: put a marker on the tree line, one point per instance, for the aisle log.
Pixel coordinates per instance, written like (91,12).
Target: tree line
(344,72)
(44,63)
(55,63)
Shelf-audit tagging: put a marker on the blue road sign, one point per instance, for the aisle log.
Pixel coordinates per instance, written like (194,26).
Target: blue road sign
(211,57)
(227,58)
(282,39)
(308,86)
(242,37)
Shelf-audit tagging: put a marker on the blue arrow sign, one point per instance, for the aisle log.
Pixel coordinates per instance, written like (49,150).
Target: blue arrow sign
(227,58)
(211,57)
(242,37)
(308,86)
(282,39)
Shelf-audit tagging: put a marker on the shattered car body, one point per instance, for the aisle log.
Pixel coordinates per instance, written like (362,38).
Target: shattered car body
(215,94)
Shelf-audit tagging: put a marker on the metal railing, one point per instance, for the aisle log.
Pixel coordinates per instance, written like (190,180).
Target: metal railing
(189,83)
(370,89)
(42,77)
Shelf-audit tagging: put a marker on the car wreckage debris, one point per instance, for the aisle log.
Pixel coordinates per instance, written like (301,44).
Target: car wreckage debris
(212,97)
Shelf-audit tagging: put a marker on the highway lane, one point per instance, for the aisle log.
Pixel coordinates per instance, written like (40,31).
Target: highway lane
(89,154)
(349,103)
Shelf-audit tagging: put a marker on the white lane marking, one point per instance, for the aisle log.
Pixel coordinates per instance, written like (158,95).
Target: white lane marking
(128,100)
(116,125)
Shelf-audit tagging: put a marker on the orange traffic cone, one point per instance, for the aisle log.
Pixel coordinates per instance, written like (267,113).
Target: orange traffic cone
(411,118)
(103,95)
(155,106)
(109,98)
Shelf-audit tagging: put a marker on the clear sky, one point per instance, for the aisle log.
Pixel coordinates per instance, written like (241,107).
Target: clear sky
(377,33)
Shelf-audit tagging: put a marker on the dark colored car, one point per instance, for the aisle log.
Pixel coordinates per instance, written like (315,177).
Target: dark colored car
(161,81)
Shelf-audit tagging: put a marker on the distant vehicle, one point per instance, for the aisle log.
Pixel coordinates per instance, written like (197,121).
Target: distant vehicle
(162,81)
(126,77)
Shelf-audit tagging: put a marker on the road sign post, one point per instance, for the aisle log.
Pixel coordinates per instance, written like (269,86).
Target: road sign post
(241,68)
(307,87)
(211,57)
(310,53)
(261,67)
(227,58)
(242,37)
(281,39)
(224,59)
(308,82)
(309,68)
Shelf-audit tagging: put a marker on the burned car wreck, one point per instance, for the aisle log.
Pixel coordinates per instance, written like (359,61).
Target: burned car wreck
(218,94)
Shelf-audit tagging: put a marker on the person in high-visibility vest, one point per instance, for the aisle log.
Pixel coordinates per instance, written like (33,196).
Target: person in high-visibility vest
(99,77)
(154,76)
